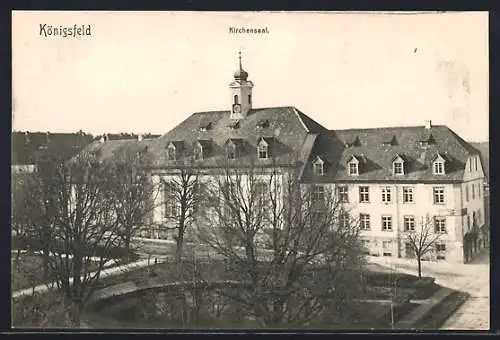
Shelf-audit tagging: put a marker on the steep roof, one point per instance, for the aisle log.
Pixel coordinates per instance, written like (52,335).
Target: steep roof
(378,155)
(287,130)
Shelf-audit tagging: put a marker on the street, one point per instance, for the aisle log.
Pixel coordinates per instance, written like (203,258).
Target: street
(472,278)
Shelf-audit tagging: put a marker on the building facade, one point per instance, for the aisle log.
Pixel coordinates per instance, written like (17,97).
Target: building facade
(393,181)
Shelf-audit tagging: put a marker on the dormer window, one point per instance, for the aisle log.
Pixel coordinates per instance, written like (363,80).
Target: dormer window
(438,166)
(353,166)
(198,151)
(235,125)
(398,165)
(352,142)
(263,149)
(231,151)
(318,166)
(263,124)
(171,152)
(205,127)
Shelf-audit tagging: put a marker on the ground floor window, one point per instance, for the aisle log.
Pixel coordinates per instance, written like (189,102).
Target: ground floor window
(387,248)
(410,252)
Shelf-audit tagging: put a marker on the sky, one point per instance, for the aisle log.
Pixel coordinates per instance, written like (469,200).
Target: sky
(147,71)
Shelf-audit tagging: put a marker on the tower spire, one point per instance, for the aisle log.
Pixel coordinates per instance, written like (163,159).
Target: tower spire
(239,57)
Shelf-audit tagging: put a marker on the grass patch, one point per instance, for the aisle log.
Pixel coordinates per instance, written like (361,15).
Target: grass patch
(438,314)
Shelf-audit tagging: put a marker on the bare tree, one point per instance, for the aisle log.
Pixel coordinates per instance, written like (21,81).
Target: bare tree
(314,247)
(422,240)
(183,194)
(72,217)
(133,194)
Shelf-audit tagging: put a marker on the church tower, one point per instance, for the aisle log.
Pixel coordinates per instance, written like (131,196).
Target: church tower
(241,93)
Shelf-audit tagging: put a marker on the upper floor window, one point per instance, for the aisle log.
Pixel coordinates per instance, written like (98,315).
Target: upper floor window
(343,194)
(364,194)
(318,166)
(170,200)
(440,225)
(409,223)
(386,223)
(438,193)
(318,193)
(386,195)
(344,219)
(263,149)
(235,99)
(261,192)
(467,193)
(407,195)
(473,191)
(250,99)
(171,152)
(364,221)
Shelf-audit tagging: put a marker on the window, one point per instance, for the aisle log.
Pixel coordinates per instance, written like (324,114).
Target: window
(231,151)
(250,99)
(170,201)
(387,248)
(409,223)
(318,168)
(171,156)
(262,150)
(386,223)
(364,194)
(479,191)
(386,195)
(261,193)
(407,195)
(438,168)
(235,99)
(438,195)
(478,217)
(440,225)
(344,219)
(364,221)
(198,151)
(318,194)
(343,194)
(440,247)
(475,163)
(353,169)
(366,246)
(473,191)
(468,222)
(398,168)
(466,193)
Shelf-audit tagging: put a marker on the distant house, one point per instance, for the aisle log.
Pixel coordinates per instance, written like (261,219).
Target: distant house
(29,147)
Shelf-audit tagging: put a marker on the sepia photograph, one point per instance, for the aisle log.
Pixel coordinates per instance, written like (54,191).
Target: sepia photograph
(250,171)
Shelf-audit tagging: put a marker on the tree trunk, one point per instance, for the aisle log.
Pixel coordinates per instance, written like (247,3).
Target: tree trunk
(179,244)
(46,259)
(419,261)
(126,241)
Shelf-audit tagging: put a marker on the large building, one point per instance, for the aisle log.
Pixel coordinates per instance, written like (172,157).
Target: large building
(390,179)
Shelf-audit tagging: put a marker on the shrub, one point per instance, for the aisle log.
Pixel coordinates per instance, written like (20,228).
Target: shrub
(390,279)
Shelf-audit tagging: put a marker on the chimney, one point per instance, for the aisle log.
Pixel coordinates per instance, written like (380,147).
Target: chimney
(428,124)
